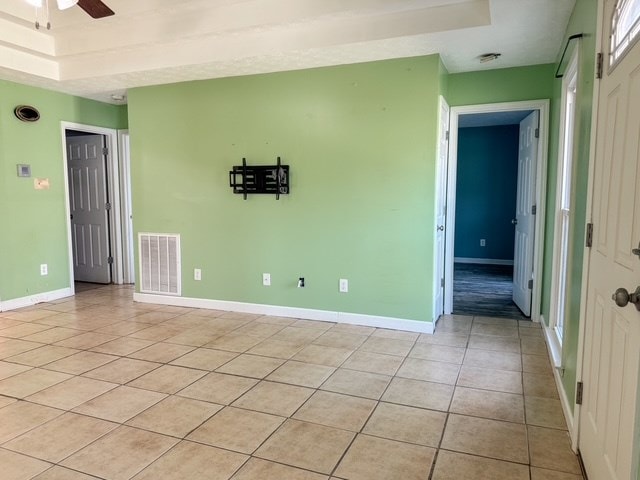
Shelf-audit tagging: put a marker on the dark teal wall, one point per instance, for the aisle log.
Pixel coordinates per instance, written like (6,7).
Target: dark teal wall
(486,191)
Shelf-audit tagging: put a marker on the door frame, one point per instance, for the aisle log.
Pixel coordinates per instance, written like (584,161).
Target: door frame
(128,245)
(540,197)
(113,191)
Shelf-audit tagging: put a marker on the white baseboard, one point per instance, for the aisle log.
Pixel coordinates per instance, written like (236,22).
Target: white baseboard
(290,312)
(482,261)
(555,357)
(34,299)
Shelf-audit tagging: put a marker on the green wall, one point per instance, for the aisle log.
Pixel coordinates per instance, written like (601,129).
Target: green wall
(33,221)
(360,141)
(486,191)
(583,20)
(501,85)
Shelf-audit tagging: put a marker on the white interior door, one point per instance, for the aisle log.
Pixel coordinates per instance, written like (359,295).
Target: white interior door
(525,218)
(441,210)
(127,215)
(86,165)
(607,441)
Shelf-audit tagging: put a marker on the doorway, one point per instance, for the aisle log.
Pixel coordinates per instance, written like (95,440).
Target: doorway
(90,207)
(94,204)
(491,234)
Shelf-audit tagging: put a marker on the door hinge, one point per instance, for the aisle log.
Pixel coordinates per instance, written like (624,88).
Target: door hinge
(110,260)
(446,136)
(537,133)
(530,285)
(534,209)
(105,151)
(589,240)
(442,282)
(107,206)
(599,65)
(579,388)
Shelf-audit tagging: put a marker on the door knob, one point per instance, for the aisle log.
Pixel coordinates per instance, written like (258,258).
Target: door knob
(440,228)
(636,251)
(622,297)
(514,221)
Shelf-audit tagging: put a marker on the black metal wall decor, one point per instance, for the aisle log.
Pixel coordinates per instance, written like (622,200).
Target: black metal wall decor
(271,179)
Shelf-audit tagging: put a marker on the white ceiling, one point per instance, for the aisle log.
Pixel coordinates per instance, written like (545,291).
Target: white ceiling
(152,42)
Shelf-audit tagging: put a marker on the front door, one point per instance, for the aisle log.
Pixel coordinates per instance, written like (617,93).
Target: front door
(89,208)
(608,423)
(525,216)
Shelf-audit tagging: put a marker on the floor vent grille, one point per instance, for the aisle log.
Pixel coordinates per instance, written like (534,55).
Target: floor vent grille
(159,255)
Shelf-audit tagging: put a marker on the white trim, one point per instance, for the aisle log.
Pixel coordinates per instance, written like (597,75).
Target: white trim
(541,192)
(482,261)
(555,348)
(113,182)
(564,400)
(290,312)
(570,77)
(126,214)
(558,372)
(34,299)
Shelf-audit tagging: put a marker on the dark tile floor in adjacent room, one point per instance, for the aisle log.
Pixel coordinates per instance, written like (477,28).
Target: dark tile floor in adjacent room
(484,290)
(98,386)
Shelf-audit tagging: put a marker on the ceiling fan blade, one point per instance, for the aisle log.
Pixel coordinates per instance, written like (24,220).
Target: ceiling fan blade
(95,8)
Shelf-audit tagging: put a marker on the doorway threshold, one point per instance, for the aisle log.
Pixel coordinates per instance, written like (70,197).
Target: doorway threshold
(484,290)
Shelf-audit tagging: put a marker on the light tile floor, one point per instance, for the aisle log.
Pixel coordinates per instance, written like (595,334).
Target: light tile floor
(98,386)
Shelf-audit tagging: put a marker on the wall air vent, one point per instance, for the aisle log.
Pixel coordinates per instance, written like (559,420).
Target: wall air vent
(26,113)
(159,255)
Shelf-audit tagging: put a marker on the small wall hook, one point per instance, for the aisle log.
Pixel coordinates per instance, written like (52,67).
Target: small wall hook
(301,282)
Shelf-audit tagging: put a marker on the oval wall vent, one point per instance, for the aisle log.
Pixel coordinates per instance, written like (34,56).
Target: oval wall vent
(27,113)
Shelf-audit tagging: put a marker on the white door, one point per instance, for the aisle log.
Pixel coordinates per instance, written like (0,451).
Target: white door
(525,217)
(607,439)
(441,209)
(127,216)
(86,165)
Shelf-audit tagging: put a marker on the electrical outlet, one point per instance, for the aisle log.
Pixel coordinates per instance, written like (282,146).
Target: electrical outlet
(483,242)
(44,269)
(197,274)
(344,285)
(266,279)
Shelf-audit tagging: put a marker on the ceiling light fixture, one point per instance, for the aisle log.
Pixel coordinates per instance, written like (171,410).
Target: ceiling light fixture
(38,4)
(489,57)
(64,4)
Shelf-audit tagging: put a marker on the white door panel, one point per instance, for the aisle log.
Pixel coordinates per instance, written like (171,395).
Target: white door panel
(441,209)
(525,200)
(612,334)
(88,208)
